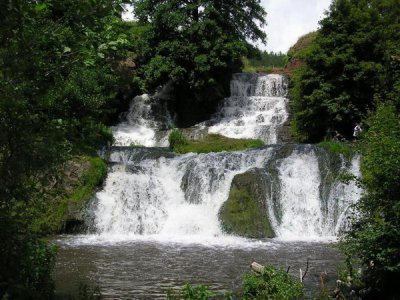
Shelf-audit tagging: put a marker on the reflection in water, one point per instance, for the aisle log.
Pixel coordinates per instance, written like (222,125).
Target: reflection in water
(146,269)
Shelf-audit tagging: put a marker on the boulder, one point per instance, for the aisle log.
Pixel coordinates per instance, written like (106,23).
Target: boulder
(245,213)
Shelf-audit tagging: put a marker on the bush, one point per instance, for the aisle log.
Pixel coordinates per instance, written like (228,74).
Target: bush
(26,262)
(271,284)
(188,292)
(177,138)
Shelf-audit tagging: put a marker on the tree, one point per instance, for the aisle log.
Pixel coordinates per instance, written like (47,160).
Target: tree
(196,44)
(57,73)
(375,237)
(353,61)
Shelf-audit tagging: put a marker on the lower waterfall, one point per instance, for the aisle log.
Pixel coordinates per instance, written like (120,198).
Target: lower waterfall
(153,192)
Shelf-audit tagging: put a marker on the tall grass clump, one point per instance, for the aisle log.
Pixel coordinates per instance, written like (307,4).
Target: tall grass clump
(177,138)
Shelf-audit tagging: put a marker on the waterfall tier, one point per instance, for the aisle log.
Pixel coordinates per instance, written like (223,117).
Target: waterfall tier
(149,192)
(257,108)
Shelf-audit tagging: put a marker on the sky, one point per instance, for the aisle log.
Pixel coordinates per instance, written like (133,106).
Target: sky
(287,21)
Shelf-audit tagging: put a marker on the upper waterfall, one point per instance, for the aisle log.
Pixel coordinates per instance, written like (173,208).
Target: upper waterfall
(257,108)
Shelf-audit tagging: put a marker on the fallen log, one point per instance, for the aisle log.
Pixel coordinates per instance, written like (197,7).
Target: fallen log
(256,267)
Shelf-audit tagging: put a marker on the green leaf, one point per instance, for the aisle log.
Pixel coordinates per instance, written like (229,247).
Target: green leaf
(40,6)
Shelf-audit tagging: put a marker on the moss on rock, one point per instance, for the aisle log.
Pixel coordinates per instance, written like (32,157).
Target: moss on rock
(61,205)
(245,212)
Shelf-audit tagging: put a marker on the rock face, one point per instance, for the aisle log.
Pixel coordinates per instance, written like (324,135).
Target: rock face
(245,212)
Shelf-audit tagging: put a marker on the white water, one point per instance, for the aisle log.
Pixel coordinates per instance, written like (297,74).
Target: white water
(178,198)
(256,108)
(141,127)
(151,200)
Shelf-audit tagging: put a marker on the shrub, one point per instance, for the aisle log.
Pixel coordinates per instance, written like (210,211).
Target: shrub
(177,138)
(271,284)
(26,262)
(189,292)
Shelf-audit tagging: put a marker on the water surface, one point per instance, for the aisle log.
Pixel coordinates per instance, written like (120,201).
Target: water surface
(146,268)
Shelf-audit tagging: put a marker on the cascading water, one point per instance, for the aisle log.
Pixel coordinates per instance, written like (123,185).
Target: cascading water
(255,109)
(143,126)
(171,196)
(151,191)
(182,195)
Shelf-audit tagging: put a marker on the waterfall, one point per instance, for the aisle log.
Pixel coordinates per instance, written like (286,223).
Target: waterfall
(147,122)
(257,108)
(172,196)
(154,192)
(166,195)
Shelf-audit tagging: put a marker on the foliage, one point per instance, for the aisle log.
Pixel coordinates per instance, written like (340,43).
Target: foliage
(189,292)
(352,62)
(58,72)
(271,284)
(196,45)
(375,237)
(217,143)
(176,139)
(26,263)
(188,44)
(263,61)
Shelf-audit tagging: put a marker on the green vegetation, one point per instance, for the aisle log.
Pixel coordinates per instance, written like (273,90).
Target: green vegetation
(177,139)
(375,237)
(216,143)
(264,62)
(60,81)
(68,197)
(26,262)
(244,212)
(196,45)
(346,149)
(302,48)
(352,63)
(188,292)
(271,284)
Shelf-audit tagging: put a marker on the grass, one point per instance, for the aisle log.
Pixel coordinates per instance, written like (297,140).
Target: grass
(249,68)
(346,149)
(217,143)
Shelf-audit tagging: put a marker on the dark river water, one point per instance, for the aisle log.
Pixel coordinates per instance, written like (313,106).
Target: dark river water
(146,269)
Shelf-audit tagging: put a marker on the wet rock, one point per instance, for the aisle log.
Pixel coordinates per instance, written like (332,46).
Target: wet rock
(245,213)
